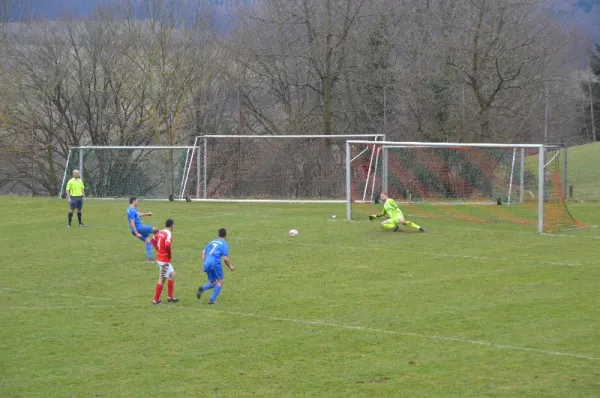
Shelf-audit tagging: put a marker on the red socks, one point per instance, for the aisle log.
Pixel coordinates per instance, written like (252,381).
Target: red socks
(158,291)
(170,286)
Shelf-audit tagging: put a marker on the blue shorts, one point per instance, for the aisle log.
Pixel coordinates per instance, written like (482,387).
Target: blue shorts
(144,230)
(214,273)
(76,203)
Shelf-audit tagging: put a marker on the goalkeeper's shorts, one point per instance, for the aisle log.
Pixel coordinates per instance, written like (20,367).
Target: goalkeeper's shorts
(394,219)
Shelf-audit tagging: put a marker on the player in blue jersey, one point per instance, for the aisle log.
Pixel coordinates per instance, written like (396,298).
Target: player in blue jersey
(139,230)
(212,255)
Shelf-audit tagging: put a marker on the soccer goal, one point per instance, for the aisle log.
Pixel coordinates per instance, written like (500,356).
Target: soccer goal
(111,172)
(271,168)
(499,183)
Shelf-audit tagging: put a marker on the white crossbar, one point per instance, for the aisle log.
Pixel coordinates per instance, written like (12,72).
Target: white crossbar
(296,136)
(444,144)
(141,148)
(299,201)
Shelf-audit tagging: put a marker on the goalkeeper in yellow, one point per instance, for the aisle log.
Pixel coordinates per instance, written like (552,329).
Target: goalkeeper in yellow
(390,208)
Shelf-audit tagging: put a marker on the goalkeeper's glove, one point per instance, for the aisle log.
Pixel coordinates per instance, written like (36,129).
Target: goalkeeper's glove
(372,217)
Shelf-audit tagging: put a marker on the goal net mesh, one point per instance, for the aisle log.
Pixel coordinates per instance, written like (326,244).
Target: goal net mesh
(497,185)
(280,168)
(133,171)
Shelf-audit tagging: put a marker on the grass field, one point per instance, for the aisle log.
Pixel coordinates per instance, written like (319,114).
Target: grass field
(466,309)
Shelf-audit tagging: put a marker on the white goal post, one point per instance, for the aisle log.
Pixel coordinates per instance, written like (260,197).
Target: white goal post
(454,173)
(270,168)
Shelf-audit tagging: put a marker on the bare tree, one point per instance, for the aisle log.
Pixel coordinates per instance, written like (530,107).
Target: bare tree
(290,61)
(504,50)
(154,72)
(105,81)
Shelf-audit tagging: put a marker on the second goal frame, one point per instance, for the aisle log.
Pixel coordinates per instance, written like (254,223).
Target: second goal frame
(202,154)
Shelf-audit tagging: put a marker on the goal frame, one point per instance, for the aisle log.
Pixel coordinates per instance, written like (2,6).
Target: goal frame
(202,154)
(81,149)
(413,144)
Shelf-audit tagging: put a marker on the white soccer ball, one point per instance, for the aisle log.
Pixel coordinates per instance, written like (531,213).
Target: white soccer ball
(293,233)
(333,217)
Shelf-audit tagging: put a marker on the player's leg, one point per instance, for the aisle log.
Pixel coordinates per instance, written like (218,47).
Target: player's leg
(388,224)
(145,231)
(216,291)
(79,208)
(211,283)
(171,285)
(411,224)
(218,285)
(159,285)
(72,206)
(148,245)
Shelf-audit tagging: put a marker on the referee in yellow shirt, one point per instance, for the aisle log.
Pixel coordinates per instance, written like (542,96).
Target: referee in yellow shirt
(75,195)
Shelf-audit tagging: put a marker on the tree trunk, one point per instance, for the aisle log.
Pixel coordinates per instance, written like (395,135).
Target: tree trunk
(592,116)
(484,125)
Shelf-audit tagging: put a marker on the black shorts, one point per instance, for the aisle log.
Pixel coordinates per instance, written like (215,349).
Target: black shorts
(76,202)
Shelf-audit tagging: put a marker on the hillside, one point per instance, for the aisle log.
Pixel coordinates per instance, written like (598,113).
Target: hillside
(581,13)
(584,171)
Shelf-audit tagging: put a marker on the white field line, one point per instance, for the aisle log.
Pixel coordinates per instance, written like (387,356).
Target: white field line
(54,308)
(328,324)
(574,236)
(401,333)
(493,230)
(427,254)
(488,230)
(37,292)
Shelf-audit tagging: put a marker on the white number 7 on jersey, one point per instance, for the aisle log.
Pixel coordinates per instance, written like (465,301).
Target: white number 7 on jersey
(213,248)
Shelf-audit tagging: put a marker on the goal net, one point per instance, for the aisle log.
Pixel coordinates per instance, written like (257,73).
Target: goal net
(288,168)
(151,172)
(495,183)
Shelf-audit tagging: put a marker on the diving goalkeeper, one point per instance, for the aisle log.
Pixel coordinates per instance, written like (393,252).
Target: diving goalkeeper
(390,208)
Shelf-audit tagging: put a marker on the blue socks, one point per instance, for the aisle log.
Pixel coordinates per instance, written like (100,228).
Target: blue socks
(208,286)
(215,293)
(149,250)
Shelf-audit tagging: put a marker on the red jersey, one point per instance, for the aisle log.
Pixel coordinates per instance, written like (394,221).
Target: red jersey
(162,243)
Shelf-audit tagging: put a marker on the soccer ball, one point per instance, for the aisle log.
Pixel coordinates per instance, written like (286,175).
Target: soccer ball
(293,233)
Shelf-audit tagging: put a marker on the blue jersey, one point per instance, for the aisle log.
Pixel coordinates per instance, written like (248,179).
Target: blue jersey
(132,214)
(213,253)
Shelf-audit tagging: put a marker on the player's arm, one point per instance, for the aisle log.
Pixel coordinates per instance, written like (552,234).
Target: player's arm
(374,216)
(203,256)
(133,228)
(154,242)
(83,191)
(228,263)
(149,214)
(168,247)
(68,191)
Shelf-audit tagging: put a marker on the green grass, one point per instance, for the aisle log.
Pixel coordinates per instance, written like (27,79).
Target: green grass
(344,309)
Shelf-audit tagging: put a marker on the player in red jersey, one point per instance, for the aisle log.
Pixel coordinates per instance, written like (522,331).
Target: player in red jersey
(162,242)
